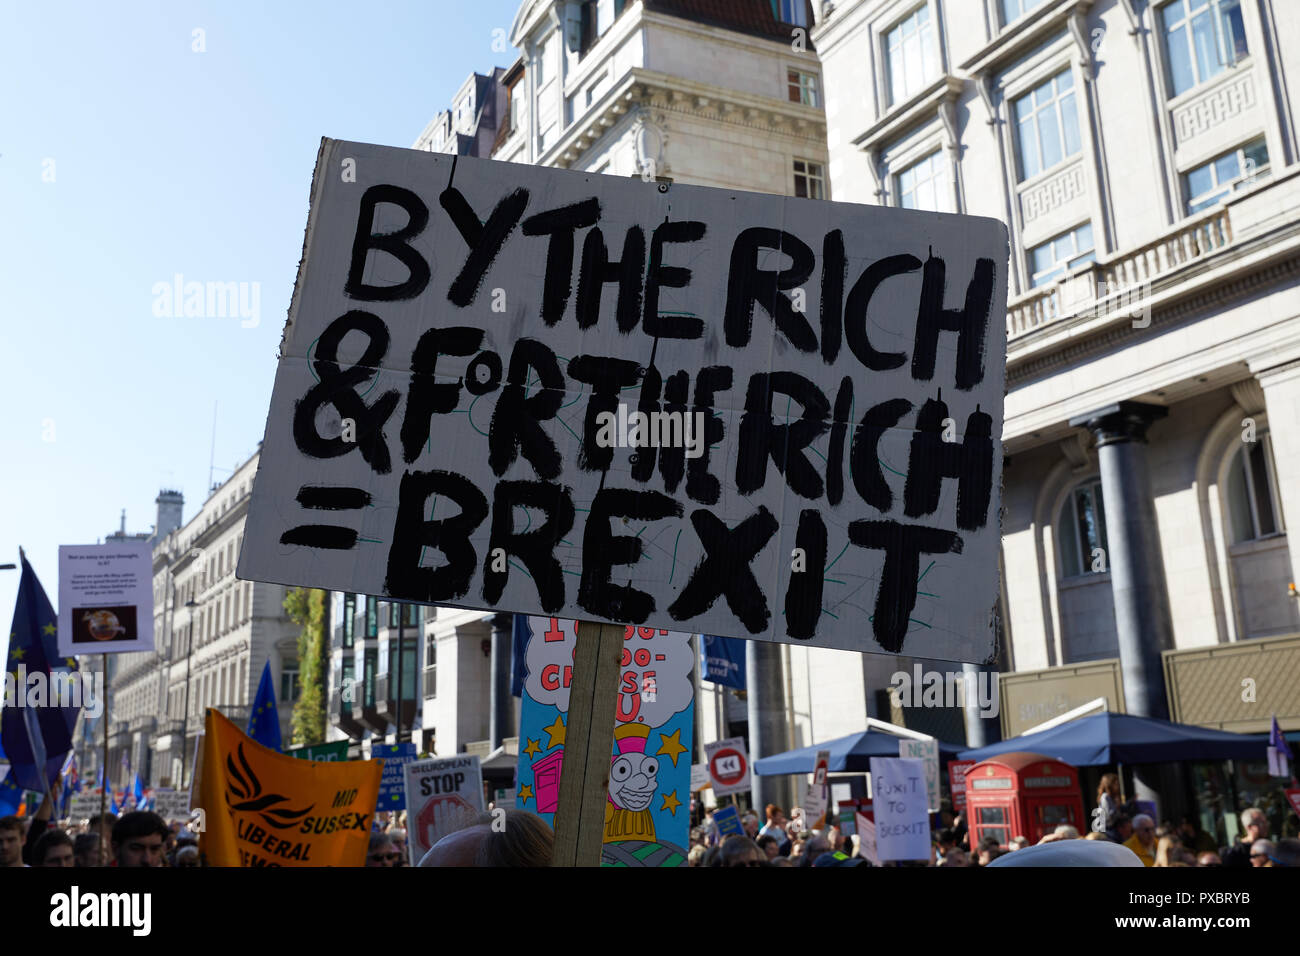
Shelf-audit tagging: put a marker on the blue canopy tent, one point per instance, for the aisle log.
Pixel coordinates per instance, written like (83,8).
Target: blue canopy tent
(849,754)
(1109,738)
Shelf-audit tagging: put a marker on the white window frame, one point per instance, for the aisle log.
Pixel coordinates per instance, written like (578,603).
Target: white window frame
(809,176)
(806,83)
(941,189)
(1083,553)
(927,50)
(1264,439)
(1248,175)
(1006,21)
(1054,103)
(1065,265)
(1227,56)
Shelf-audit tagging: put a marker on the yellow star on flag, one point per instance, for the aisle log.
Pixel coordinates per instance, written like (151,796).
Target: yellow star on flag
(71,661)
(671,803)
(671,745)
(17,653)
(525,793)
(556,733)
(49,628)
(533,749)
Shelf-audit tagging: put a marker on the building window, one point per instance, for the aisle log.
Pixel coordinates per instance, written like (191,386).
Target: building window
(1252,492)
(349,618)
(1208,185)
(347,674)
(372,617)
(802,87)
(1015,9)
(371,666)
(290,688)
(791,11)
(547,139)
(809,180)
(513,96)
(1047,125)
(1058,256)
(1083,531)
(1202,39)
(909,55)
(922,185)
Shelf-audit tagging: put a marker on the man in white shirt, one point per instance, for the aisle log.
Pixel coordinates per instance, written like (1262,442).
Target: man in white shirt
(775,824)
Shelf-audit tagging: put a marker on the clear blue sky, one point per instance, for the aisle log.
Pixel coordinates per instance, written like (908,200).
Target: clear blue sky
(169,161)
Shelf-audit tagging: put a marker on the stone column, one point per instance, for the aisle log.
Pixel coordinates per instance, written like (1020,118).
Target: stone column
(769,731)
(1137,573)
(499,717)
(1281,385)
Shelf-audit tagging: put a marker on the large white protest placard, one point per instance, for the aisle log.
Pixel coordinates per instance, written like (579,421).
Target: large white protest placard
(728,766)
(867,839)
(172,804)
(443,795)
(898,801)
(105,598)
(928,751)
(561,393)
(83,806)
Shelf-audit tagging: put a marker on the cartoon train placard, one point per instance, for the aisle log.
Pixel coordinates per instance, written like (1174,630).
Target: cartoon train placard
(647,812)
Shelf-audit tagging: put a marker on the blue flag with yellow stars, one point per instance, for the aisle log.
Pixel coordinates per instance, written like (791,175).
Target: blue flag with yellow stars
(35,729)
(11,795)
(264,721)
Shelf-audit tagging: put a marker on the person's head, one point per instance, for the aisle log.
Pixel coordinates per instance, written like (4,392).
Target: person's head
(989,843)
(835,838)
(954,857)
(988,854)
(518,839)
(1109,784)
(1123,827)
(740,850)
(815,846)
(1287,852)
(11,841)
(53,848)
(767,843)
(1209,858)
(1254,824)
(775,815)
(696,856)
(398,836)
(780,861)
(1188,827)
(750,825)
(381,851)
(1067,832)
(87,850)
(187,856)
(1262,853)
(1145,828)
(1018,843)
(138,839)
(946,839)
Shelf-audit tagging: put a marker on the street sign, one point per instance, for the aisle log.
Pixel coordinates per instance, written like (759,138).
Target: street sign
(443,795)
(728,766)
(392,786)
(105,598)
(612,444)
(335,751)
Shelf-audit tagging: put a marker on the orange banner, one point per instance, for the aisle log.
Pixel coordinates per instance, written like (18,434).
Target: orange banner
(262,808)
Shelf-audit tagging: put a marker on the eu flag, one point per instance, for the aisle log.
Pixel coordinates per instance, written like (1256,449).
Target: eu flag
(137,791)
(264,721)
(11,795)
(36,738)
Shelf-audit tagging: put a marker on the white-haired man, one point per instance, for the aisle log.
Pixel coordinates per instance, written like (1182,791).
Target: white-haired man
(1143,840)
(1254,825)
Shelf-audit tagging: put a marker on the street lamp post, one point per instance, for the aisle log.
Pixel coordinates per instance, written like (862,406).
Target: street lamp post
(185,717)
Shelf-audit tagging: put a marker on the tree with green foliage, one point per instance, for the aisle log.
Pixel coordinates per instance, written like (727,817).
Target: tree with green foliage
(307,608)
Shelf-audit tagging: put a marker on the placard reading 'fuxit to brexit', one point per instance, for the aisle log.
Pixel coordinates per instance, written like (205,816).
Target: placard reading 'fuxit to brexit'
(564,393)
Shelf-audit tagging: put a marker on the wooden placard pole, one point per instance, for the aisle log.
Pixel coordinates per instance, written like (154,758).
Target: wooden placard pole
(588,744)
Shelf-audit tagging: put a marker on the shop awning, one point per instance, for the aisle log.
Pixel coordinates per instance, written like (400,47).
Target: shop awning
(1109,738)
(849,754)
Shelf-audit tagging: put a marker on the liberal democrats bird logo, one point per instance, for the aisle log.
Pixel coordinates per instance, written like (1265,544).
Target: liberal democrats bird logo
(252,800)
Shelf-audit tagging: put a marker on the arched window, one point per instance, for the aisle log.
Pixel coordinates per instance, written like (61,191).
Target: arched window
(1083,531)
(1252,491)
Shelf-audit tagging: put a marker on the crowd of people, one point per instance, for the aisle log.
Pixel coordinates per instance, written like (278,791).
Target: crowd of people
(776,843)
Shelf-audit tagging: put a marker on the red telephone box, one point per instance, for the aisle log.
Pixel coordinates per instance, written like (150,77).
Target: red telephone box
(1022,794)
